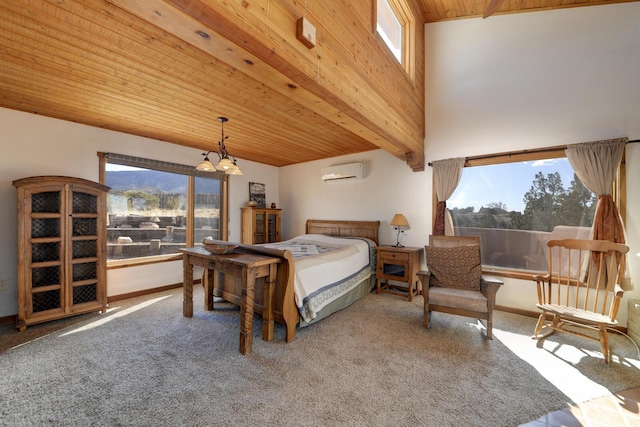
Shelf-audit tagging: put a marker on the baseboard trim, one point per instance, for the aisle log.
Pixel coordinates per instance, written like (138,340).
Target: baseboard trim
(8,319)
(114,298)
(520,311)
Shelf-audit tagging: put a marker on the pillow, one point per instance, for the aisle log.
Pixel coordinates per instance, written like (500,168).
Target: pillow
(457,267)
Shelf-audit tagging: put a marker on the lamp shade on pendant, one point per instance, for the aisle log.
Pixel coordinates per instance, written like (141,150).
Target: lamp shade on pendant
(224,164)
(206,166)
(234,170)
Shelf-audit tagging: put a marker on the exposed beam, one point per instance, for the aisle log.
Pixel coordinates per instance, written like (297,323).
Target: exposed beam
(492,7)
(308,77)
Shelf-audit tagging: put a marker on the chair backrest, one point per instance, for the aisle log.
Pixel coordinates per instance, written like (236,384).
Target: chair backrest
(453,241)
(583,274)
(454,268)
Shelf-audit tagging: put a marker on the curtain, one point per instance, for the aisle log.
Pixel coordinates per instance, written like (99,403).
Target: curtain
(446,175)
(595,164)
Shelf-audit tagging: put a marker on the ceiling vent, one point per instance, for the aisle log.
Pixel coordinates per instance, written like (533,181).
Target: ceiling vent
(339,173)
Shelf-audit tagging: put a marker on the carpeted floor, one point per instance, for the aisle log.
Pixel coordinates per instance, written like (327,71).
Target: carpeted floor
(144,364)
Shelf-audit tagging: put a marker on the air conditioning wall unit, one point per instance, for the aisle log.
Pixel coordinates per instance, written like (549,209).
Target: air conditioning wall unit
(341,173)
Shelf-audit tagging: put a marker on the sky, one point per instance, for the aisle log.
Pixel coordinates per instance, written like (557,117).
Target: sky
(506,183)
(114,167)
(481,185)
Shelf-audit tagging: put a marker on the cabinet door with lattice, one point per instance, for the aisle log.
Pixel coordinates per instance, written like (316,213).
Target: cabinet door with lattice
(84,254)
(42,294)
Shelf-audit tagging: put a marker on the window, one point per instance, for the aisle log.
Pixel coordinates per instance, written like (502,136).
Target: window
(516,203)
(390,28)
(155,208)
(396,26)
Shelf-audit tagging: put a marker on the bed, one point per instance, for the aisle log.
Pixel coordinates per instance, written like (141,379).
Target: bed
(331,255)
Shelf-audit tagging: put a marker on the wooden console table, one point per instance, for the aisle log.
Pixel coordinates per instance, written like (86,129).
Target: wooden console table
(245,266)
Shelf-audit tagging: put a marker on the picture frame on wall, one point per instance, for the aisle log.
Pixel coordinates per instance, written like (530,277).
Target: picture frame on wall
(257,194)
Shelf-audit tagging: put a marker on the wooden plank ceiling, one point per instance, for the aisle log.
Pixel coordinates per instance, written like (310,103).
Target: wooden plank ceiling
(444,10)
(165,69)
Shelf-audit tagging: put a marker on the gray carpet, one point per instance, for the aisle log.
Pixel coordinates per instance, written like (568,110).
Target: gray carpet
(372,364)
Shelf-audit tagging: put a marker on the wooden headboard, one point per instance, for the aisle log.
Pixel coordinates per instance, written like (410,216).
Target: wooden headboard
(368,229)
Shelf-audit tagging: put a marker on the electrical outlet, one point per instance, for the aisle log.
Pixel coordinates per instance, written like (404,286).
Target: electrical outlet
(4,285)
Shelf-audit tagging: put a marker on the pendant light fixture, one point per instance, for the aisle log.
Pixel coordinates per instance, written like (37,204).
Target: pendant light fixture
(225,164)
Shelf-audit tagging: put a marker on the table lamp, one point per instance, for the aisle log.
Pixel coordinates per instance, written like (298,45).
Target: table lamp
(399,221)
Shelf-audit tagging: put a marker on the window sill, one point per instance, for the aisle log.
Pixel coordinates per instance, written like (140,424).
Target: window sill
(136,262)
(512,274)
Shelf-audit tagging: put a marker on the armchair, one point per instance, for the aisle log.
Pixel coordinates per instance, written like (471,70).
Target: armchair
(454,283)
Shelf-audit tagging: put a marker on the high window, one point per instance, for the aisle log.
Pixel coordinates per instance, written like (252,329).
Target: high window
(396,26)
(516,203)
(155,208)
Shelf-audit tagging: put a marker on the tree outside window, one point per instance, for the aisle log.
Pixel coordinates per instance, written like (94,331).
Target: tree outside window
(516,207)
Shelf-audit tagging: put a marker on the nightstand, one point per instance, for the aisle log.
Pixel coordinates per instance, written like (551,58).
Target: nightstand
(398,265)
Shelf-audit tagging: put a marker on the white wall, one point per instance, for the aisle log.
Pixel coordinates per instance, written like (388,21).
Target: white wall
(388,187)
(536,79)
(35,145)
(509,82)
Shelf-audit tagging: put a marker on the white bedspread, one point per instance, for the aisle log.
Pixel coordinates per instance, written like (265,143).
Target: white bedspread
(326,268)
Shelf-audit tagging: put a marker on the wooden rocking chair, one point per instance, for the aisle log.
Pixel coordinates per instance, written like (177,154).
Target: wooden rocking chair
(581,288)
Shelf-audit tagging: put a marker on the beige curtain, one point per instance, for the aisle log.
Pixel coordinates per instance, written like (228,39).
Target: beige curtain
(595,164)
(446,175)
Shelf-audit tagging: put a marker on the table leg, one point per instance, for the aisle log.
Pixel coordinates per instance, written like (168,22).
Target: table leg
(209,283)
(246,310)
(187,301)
(269,304)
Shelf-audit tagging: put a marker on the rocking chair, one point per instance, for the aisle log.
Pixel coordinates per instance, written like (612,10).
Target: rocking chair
(581,288)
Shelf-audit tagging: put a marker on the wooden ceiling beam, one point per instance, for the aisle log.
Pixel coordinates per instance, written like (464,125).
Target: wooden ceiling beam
(317,79)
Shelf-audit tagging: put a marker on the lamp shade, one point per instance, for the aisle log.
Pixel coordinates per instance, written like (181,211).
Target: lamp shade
(224,164)
(399,221)
(206,166)
(233,170)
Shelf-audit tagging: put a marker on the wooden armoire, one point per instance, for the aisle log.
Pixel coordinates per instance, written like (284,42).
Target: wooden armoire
(61,248)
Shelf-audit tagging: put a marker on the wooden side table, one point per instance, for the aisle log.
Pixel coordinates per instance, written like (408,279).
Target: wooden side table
(399,265)
(247,267)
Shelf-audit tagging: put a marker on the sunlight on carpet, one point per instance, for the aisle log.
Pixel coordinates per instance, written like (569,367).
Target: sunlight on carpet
(556,363)
(105,319)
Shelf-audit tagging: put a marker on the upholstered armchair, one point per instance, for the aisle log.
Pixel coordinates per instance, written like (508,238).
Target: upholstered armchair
(454,283)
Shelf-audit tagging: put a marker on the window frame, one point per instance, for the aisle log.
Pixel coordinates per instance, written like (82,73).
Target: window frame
(191,173)
(405,16)
(618,191)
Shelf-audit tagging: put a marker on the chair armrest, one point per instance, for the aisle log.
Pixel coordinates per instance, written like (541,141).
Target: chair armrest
(424,276)
(615,304)
(489,286)
(540,278)
(618,291)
